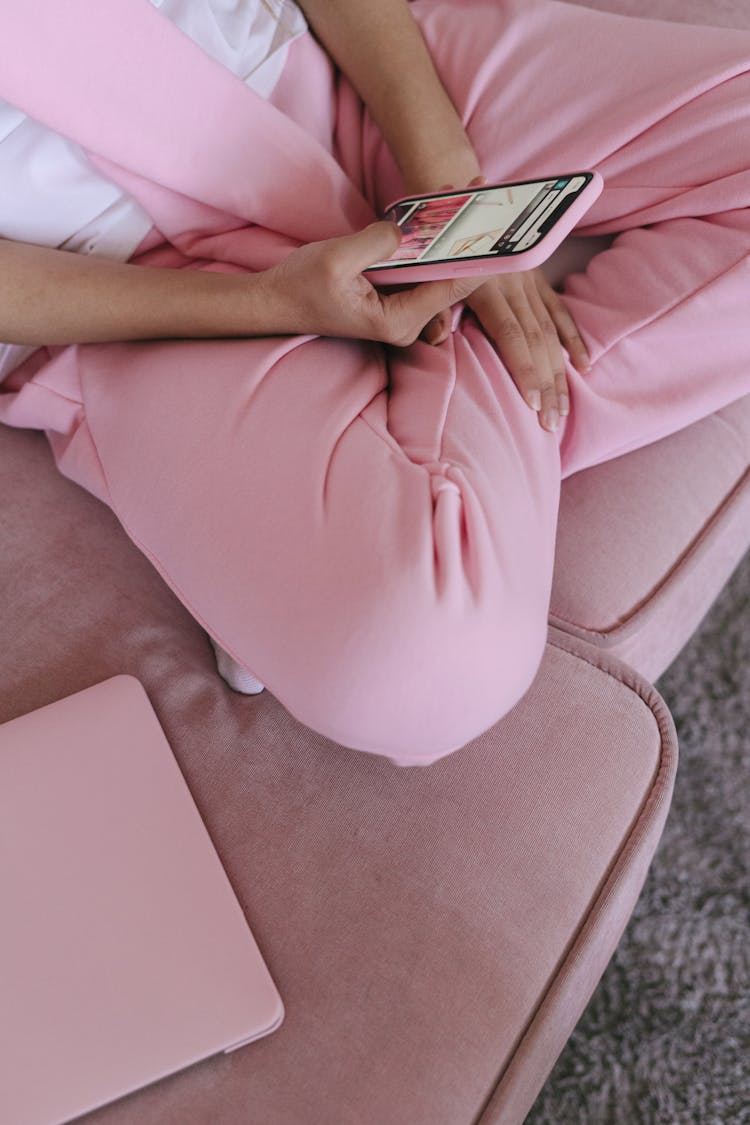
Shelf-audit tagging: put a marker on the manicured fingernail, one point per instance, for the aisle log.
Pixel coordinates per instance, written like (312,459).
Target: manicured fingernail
(534,400)
(585,363)
(563,403)
(550,419)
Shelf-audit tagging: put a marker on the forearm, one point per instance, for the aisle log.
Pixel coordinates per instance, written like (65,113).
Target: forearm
(56,297)
(380,48)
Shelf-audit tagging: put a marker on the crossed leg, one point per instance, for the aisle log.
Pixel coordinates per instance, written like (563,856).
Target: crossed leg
(371,530)
(662,312)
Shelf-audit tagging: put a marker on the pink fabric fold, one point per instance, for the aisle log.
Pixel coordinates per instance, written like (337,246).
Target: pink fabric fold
(130,87)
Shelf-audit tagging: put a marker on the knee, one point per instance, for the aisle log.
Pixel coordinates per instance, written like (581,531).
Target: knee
(428,688)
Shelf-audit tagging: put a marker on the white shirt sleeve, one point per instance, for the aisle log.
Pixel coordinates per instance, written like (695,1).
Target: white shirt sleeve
(51,195)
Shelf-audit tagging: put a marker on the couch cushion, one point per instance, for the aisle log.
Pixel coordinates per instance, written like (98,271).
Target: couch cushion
(448,923)
(646,542)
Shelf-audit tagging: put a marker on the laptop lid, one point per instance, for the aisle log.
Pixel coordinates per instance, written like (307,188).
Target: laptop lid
(124,953)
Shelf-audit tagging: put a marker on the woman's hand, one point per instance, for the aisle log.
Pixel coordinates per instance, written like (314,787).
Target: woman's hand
(320,289)
(529,325)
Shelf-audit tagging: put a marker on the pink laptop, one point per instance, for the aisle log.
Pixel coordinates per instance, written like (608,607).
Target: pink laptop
(124,953)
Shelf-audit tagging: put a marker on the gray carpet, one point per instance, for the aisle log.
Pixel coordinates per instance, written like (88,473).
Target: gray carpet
(665,1040)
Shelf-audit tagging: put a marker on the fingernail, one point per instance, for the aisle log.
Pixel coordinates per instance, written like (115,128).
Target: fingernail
(550,419)
(585,363)
(534,400)
(563,403)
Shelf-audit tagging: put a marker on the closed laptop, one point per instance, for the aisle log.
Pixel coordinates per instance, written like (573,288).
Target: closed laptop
(124,953)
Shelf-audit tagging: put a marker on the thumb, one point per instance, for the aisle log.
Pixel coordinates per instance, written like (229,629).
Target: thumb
(373,244)
(429,298)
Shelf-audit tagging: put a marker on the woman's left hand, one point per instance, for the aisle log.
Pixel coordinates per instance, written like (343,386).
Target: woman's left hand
(529,325)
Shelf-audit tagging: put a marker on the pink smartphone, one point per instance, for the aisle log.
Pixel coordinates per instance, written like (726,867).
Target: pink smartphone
(498,228)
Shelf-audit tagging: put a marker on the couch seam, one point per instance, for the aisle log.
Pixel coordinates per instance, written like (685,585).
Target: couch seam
(621,673)
(657,590)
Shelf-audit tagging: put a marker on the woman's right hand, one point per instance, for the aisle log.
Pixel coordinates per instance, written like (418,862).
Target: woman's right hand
(320,289)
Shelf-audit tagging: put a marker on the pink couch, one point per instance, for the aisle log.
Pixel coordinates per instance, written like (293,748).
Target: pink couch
(435,933)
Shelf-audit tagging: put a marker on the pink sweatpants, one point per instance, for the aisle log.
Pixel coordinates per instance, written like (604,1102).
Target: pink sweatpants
(371,530)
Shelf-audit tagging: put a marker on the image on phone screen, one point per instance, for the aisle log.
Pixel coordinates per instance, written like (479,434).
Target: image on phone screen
(479,223)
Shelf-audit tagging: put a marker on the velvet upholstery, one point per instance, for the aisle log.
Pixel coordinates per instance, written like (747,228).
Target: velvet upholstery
(643,604)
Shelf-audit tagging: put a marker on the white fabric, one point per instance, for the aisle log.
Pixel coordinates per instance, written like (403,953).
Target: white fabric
(238,678)
(51,195)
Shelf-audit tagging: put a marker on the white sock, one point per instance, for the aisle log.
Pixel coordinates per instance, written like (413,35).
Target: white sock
(234,674)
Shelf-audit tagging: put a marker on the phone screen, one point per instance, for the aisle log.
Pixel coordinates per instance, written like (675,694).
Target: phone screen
(479,223)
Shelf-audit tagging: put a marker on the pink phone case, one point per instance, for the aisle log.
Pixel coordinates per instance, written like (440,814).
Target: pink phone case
(510,263)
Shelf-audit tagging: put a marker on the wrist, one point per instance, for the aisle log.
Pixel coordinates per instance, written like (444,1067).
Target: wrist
(456,166)
(222,304)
